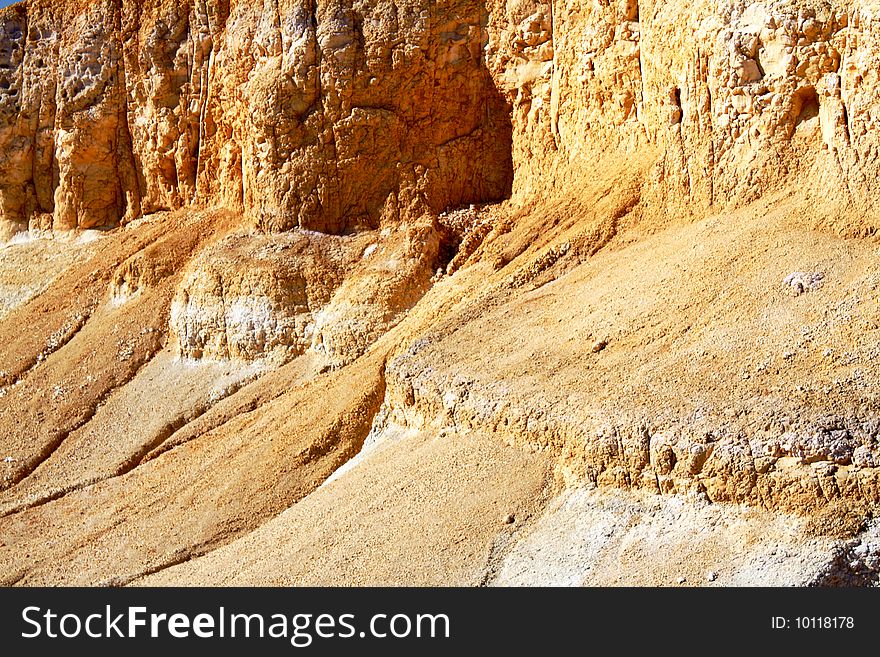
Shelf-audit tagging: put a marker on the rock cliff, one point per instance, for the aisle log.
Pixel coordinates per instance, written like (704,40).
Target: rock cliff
(265,260)
(336,116)
(326,116)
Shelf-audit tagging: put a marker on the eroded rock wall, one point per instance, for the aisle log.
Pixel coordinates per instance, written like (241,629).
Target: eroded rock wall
(725,101)
(328,116)
(336,115)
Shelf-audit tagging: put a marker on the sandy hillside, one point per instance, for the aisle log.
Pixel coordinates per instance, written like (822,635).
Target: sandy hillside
(501,292)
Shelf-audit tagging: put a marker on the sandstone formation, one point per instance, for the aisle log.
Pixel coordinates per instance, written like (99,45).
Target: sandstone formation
(332,116)
(323,116)
(339,291)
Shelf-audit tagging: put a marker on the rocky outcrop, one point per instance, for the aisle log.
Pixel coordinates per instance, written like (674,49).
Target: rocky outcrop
(322,116)
(728,101)
(577,238)
(276,297)
(339,116)
(246,298)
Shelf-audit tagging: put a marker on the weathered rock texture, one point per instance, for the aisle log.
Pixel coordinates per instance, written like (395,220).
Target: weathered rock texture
(498,249)
(326,116)
(726,101)
(335,115)
(276,297)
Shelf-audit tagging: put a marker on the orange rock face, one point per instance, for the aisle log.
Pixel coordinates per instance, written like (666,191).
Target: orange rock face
(404,273)
(323,117)
(334,116)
